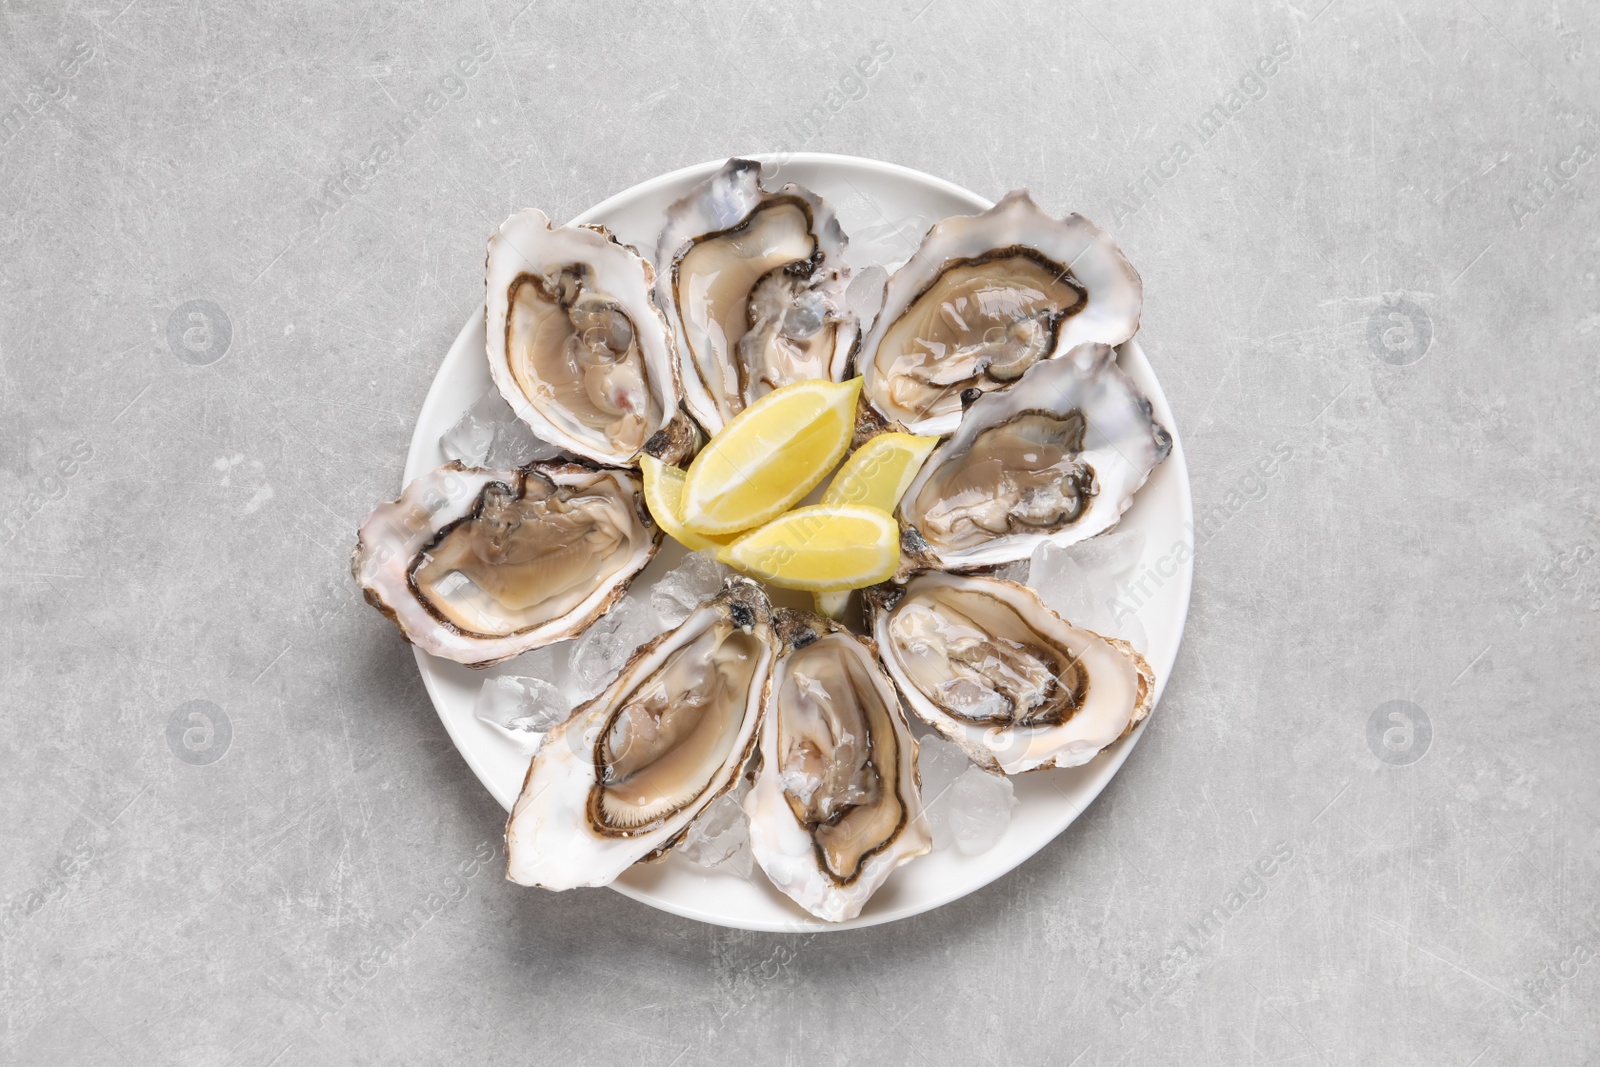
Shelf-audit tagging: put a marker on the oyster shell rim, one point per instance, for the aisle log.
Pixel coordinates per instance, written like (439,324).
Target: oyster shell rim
(920,553)
(909,283)
(442,638)
(879,604)
(835,902)
(666,390)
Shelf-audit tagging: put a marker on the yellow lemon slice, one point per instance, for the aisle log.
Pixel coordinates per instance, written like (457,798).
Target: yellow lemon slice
(822,548)
(879,472)
(773,453)
(663,495)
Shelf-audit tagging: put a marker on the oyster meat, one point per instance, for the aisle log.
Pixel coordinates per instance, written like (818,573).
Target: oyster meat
(986,297)
(482,565)
(576,344)
(984,662)
(1057,459)
(622,779)
(753,283)
(836,806)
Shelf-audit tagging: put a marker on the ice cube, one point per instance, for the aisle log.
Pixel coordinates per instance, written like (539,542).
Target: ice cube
(489,434)
(980,810)
(605,647)
(548,662)
(939,764)
(1111,554)
(1066,587)
(865,295)
(469,440)
(720,836)
(1129,629)
(522,710)
(685,587)
(1090,597)
(884,242)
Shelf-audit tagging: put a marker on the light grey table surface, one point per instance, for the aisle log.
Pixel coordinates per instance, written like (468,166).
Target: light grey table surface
(1379,259)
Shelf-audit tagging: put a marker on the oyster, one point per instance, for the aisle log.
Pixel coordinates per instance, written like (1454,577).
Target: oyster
(754,285)
(482,565)
(985,663)
(1057,459)
(623,778)
(576,344)
(986,297)
(836,806)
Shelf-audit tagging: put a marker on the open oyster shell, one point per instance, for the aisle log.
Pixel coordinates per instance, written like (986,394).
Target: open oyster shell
(986,297)
(481,565)
(837,805)
(753,284)
(575,342)
(1056,459)
(622,779)
(984,662)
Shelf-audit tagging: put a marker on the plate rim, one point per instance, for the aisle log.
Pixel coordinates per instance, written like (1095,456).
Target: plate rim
(1114,760)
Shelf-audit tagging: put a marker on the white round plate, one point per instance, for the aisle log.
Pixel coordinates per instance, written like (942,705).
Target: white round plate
(884,209)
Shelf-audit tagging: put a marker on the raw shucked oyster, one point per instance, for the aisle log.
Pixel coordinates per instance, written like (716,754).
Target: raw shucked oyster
(754,285)
(576,344)
(1056,459)
(622,779)
(836,806)
(985,298)
(985,663)
(481,565)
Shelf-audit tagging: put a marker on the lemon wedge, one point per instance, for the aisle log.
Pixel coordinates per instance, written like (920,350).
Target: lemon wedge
(879,472)
(823,548)
(769,456)
(663,495)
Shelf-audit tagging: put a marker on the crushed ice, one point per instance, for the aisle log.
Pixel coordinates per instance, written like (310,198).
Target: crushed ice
(522,709)
(980,810)
(489,434)
(685,587)
(1080,583)
(875,240)
(967,807)
(605,647)
(720,836)
(865,295)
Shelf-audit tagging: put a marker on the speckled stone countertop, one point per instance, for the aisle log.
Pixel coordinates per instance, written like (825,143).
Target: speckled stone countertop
(237,241)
